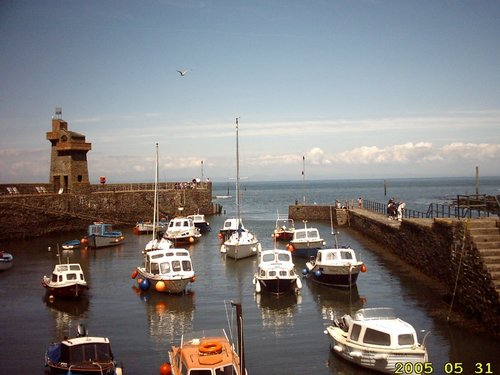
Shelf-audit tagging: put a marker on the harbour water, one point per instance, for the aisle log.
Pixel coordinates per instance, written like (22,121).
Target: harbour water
(282,335)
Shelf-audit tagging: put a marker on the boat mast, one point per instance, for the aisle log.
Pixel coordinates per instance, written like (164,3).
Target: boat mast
(241,344)
(304,178)
(237,174)
(155,200)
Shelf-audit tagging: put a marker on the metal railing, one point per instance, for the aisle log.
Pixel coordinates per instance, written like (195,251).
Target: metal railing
(466,207)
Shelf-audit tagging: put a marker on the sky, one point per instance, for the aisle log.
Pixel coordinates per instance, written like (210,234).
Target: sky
(332,88)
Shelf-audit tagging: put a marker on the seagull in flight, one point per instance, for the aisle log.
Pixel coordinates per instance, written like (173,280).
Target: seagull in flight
(182,72)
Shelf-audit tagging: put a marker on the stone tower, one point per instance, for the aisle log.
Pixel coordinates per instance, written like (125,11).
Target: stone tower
(68,158)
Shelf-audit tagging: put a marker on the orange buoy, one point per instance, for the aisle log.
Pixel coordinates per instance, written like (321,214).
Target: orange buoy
(363,268)
(193,279)
(139,280)
(160,286)
(191,239)
(210,347)
(83,240)
(134,274)
(290,247)
(165,369)
(219,235)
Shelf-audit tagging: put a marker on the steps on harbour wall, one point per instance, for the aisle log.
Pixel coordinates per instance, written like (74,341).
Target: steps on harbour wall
(485,235)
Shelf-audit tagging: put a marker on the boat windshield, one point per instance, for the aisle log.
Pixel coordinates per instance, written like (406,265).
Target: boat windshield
(346,255)
(310,233)
(376,313)
(91,352)
(284,257)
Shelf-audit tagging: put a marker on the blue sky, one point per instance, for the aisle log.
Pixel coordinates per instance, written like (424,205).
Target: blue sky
(361,88)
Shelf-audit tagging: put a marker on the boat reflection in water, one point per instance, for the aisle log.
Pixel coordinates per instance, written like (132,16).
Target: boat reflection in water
(278,312)
(168,316)
(333,303)
(66,313)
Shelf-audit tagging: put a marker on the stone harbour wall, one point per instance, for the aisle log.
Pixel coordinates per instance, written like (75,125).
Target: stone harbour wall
(32,215)
(442,250)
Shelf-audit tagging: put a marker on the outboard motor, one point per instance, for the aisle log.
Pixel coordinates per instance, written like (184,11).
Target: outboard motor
(81,330)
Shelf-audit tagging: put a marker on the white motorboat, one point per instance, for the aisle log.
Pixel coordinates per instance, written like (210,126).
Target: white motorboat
(335,267)
(376,339)
(276,273)
(165,270)
(6,260)
(181,230)
(67,281)
(241,243)
(306,242)
(82,354)
(200,222)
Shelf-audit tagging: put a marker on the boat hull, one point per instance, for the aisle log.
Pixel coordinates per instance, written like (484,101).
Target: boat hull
(6,261)
(278,286)
(67,291)
(306,249)
(182,240)
(203,227)
(283,236)
(97,241)
(172,286)
(241,251)
(334,276)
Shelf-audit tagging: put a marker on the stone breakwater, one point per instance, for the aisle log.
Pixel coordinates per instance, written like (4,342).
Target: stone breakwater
(443,254)
(32,215)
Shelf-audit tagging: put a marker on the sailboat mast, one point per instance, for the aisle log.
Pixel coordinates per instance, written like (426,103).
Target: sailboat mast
(155,200)
(237,173)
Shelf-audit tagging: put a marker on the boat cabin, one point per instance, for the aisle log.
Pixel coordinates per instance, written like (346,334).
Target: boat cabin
(67,272)
(168,262)
(180,223)
(276,263)
(306,234)
(101,229)
(206,356)
(232,225)
(335,256)
(379,327)
(81,350)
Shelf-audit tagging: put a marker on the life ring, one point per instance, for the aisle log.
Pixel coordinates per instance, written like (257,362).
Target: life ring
(210,347)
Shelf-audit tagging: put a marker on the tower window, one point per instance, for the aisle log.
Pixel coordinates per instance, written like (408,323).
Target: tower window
(79,178)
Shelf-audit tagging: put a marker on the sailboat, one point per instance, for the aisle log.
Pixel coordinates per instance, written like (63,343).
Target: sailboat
(165,269)
(241,244)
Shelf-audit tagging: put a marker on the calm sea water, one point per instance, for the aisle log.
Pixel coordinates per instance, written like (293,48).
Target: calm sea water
(282,335)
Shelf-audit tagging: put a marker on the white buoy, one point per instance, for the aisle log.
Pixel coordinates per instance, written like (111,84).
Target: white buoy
(257,287)
(299,283)
(223,249)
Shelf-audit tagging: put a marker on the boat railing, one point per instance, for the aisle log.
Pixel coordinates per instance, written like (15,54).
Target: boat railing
(466,206)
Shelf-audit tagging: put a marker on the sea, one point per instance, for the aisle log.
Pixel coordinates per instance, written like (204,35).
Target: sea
(283,335)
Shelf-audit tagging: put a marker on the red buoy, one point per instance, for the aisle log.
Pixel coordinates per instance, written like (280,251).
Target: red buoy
(165,369)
